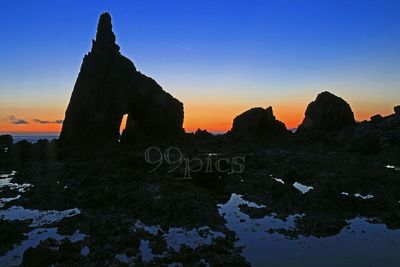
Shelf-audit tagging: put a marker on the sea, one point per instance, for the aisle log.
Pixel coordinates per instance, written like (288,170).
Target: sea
(33,138)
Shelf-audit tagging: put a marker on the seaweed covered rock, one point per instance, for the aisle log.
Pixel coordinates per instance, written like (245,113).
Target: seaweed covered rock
(257,123)
(327,113)
(107,88)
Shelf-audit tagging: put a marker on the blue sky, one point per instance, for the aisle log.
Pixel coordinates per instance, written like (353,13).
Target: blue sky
(234,53)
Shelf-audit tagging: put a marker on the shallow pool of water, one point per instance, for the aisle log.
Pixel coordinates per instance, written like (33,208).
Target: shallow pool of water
(34,237)
(362,244)
(5,182)
(38,217)
(302,188)
(176,237)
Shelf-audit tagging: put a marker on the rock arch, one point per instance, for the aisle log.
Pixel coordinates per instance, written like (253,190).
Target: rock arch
(109,86)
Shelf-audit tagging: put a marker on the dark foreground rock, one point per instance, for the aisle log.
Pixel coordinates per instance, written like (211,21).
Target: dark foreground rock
(372,136)
(114,189)
(397,110)
(376,118)
(256,123)
(327,113)
(11,233)
(6,141)
(109,86)
(366,143)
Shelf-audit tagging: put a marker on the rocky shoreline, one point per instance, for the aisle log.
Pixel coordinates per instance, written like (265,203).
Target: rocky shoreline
(113,188)
(157,196)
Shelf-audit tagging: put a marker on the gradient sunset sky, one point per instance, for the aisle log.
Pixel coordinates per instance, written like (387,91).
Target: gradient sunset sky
(219,58)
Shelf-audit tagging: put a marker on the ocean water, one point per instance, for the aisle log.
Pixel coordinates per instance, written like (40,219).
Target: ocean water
(33,138)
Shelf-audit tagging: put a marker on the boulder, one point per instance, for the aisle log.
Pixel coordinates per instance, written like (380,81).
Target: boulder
(257,123)
(365,143)
(377,118)
(203,134)
(201,137)
(327,113)
(6,141)
(397,110)
(108,87)
(22,151)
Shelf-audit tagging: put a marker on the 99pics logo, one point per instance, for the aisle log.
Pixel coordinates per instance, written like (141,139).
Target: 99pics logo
(173,158)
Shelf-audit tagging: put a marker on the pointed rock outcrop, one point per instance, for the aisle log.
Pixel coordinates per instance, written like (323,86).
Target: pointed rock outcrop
(327,113)
(397,110)
(105,36)
(109,86)
(256,123)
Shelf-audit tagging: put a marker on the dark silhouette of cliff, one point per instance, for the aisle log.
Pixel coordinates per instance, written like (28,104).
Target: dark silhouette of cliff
(109,86)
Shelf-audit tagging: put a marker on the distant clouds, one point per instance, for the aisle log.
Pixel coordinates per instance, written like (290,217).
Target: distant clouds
(14,120)
(46,122)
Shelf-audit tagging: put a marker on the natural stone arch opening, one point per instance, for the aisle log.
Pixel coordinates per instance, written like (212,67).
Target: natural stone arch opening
(123,123)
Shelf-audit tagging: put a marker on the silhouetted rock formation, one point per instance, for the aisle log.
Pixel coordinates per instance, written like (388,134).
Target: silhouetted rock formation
(6,141)
(256,123)
(376,118)
(202,134)
(109,86)
(397,110)
(328,112)
(385,129)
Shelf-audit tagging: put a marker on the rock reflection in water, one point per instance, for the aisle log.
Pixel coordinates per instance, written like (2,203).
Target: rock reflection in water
(361,244)
(14,256)
(5,182)
(5,200)
(38,217)
(177,236)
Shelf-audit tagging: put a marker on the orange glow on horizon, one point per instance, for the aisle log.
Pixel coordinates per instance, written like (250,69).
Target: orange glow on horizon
(31,128)
(213,116)
(47,113)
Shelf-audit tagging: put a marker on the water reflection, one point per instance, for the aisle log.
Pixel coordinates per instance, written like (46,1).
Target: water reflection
(392,167)
(302,188)
(5,182)
(14,256)
(360,244)
(38,217)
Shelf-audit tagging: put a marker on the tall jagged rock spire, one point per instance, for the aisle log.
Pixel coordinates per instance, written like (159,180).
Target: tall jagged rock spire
(109,86)
(105,37)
